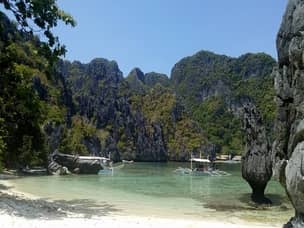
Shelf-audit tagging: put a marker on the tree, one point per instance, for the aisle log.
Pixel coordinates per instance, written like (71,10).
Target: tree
(25,59)
(2,144)
(40,16)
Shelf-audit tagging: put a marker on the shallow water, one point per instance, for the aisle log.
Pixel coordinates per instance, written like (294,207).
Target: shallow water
(153,189)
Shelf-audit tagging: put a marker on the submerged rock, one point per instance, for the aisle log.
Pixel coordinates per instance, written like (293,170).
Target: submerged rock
(256,161)
(288,148)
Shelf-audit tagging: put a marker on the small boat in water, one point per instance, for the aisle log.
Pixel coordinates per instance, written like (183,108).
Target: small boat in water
(127,161)
(201,167)
(109,170)
(106,171)
(62,164)
(34,171)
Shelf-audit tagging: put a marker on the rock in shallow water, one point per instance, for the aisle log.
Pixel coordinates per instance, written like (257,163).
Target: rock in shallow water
(256,161)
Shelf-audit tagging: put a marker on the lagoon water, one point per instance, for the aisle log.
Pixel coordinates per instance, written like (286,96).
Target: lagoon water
(153,189)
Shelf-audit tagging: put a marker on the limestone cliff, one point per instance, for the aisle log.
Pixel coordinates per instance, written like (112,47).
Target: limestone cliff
(256,161)
(288,148)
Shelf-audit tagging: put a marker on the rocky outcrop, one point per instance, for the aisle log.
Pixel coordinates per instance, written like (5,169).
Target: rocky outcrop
(140,83)
(206,74)
(288,147)
(256,161)
(151,148)
(136,81)
(144,117)
(153,78)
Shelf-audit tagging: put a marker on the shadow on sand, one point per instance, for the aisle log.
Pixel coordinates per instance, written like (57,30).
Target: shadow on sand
(4,187)
(44,209)
(244,203)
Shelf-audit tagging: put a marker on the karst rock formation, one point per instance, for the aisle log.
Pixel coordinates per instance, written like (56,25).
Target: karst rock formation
(288,147)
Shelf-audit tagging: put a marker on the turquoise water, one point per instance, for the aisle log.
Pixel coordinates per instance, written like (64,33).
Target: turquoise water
(153,189)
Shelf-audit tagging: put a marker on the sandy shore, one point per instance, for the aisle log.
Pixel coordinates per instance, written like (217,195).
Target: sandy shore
(22,210)
(112,222)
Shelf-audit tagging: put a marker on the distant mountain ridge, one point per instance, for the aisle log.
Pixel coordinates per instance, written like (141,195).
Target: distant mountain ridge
(151,117)
(92,109)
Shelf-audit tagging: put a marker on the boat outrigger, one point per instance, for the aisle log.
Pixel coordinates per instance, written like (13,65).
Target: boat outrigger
(127,161)
(201,167)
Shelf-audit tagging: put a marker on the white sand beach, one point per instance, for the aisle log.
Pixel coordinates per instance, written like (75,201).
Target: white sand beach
(27,211)
(9,221)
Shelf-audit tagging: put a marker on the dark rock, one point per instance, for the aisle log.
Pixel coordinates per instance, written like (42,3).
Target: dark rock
(289,127)
(150,145)
(256,161)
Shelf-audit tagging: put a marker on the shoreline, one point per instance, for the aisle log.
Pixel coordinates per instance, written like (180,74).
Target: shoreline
(19,209)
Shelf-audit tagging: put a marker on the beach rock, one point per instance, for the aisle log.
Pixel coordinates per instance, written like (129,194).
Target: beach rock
(289,126)
(256,160)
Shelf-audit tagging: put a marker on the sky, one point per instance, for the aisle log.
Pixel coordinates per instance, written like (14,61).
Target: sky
(155,34)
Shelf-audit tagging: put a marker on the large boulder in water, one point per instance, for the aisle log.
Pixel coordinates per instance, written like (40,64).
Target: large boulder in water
(256,161)
(288,148)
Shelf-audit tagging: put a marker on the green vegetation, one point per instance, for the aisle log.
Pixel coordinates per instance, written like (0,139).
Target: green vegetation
(188,139)
(182,135)
(72,138)
(21,109)
(41,15)
(26,85)
(221,126)
(261,90)
(209,85)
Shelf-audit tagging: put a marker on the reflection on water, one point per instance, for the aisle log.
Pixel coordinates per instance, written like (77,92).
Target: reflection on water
(154,189)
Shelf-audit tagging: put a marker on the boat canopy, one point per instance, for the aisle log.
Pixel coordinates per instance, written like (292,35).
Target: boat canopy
(93,158)
(200,160)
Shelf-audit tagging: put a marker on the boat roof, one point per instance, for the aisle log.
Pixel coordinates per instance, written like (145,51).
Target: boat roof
(200,160)
(94,158)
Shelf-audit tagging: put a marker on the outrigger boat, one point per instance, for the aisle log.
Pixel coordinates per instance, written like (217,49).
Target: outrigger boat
(201,167)
(108,168)
(60,163)
(127,161)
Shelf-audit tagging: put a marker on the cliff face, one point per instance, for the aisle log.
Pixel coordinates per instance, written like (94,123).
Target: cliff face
(289,84)
(149,117)
(214,87)
(207,74)
(104,121)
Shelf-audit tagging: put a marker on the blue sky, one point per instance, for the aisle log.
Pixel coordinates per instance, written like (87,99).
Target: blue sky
(155,34)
